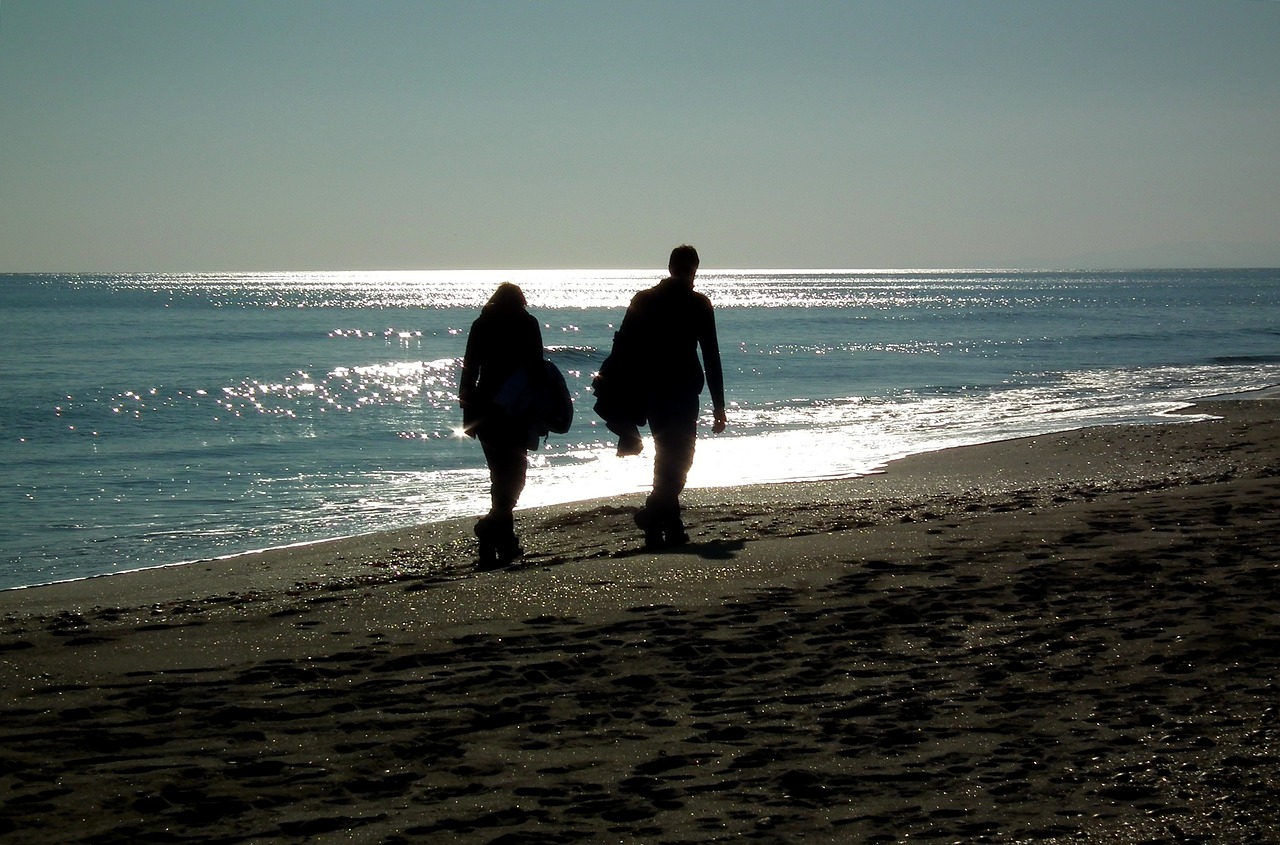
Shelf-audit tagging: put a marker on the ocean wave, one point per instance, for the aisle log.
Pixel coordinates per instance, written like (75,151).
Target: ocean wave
(571,356)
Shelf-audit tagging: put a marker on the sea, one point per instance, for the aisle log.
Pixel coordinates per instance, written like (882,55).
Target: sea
(152,419)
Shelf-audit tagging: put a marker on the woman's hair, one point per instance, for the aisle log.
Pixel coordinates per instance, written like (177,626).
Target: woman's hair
(508,297)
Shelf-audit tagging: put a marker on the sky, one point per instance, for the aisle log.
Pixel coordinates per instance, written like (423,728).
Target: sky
(141,136)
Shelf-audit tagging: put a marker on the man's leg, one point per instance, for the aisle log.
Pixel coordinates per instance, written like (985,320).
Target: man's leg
(674,424)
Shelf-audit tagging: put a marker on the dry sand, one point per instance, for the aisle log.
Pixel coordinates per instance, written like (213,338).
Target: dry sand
(1069,638)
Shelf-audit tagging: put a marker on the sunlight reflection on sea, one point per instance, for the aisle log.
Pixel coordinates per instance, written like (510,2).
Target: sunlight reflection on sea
(160,417)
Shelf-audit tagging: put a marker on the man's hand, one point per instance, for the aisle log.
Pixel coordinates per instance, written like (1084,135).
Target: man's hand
(720,423)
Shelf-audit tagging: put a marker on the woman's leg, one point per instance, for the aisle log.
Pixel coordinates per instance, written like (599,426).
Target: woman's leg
(507,469)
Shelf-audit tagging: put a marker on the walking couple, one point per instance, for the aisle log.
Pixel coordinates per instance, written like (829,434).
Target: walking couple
(652,376)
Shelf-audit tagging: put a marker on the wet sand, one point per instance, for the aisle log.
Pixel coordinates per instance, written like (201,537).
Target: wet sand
(1069,638)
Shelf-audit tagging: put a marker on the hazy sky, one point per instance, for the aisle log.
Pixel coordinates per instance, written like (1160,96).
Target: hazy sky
(286,135)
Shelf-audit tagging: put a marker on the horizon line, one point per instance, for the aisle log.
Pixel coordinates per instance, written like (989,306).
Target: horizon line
(702,272)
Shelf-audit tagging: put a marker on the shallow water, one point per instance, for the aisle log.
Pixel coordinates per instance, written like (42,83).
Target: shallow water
(149,419)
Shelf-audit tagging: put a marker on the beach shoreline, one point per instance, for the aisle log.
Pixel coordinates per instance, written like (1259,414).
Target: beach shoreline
(302,553)
(1060,638)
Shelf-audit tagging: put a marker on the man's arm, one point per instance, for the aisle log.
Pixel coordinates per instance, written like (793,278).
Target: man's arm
(711,364)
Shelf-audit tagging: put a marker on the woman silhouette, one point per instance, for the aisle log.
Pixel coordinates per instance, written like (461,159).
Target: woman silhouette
(505,343)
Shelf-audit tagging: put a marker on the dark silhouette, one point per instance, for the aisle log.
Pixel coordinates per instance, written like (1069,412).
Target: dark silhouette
(504,349)
(653,376)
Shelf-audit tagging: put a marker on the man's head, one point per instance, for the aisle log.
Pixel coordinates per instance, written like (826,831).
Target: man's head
(683,263)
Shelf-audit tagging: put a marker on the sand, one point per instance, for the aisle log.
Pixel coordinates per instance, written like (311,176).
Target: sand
(1068,638)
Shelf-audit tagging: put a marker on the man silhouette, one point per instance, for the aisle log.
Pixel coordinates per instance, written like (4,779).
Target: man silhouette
(660,336)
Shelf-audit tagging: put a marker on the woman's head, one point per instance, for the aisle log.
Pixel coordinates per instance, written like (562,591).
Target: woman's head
(508,297)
